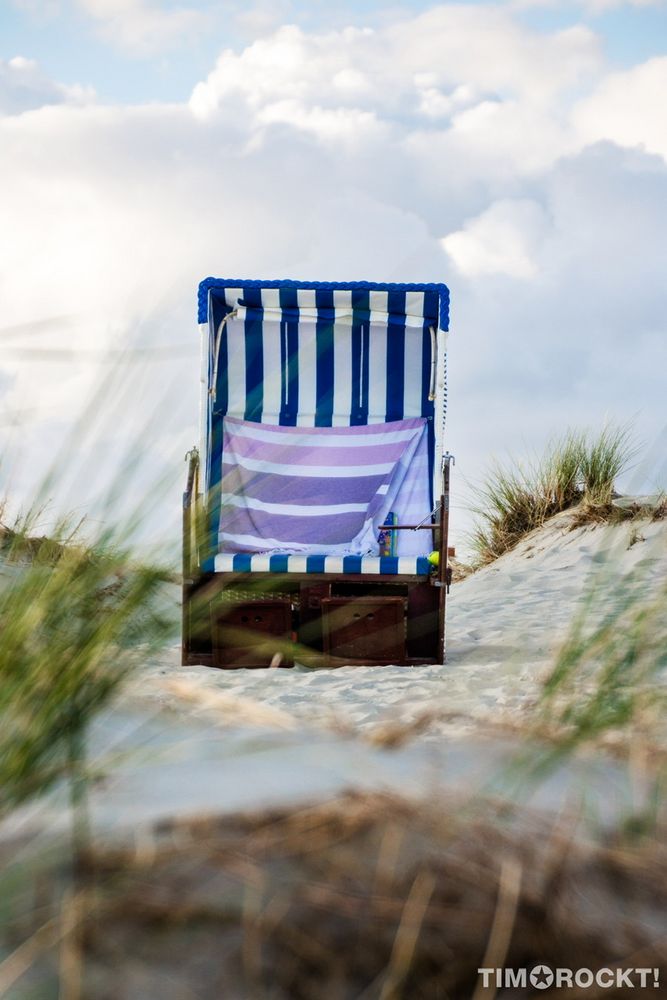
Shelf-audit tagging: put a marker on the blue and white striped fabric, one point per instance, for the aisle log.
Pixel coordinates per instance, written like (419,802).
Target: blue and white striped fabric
(352,565)
(315,355)
(319,490)
(322,356)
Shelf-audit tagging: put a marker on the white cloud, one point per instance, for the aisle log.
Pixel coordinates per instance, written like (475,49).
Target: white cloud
(41,9)
(599,6)
(433,103)
(260,17)
(628,108)
(588,6)
(441,60)
(23,87)
(504,240)
(141,26)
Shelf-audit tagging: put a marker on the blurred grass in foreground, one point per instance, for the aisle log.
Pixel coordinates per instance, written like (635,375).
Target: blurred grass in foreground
(74,618)
(79,604)
(609,679)
(606,689)
(607,674)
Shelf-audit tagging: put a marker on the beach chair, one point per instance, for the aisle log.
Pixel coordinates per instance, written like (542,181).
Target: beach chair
(316,512)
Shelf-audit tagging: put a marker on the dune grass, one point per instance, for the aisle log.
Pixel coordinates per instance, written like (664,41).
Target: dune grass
(577,469)
(71,618)
(608,677)
(78,606)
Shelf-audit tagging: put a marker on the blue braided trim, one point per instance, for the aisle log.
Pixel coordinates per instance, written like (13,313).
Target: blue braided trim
(371,286)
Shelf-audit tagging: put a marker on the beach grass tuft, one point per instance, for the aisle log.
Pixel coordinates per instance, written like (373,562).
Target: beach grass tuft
(73,617)
(577,470)
(608,677)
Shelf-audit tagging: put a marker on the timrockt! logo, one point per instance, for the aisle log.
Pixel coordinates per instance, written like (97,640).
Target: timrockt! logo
(541,977)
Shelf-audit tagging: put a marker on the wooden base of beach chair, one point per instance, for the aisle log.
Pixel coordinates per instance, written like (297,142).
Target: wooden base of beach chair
(261,620)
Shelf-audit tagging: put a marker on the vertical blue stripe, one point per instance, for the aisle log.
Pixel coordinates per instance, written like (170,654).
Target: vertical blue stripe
(289,357)
(292,408)
(395,358)
(278,563)
(324,299)
(315,564)
(360,344)
(365,371)
(355,374)
(283,370)
(241,562)
(254,372)
(431,308)
(254,355)
(428,409)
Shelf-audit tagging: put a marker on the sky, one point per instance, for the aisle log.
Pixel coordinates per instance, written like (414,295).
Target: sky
(516,151)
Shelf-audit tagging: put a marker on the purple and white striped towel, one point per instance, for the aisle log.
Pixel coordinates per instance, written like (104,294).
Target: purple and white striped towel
(321,490)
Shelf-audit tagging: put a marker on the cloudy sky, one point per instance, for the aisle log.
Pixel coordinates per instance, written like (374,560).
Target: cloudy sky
(515,150)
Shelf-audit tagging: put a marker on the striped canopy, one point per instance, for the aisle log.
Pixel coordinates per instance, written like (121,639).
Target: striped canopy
(313,354)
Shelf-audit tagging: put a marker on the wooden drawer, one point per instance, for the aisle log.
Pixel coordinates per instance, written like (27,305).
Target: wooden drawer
(250,634)
(367,629)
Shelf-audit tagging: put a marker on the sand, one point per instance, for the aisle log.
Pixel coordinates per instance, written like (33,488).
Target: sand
(505,624)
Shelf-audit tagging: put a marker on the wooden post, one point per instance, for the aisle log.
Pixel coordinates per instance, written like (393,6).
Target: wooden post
(443,574)
(190,547)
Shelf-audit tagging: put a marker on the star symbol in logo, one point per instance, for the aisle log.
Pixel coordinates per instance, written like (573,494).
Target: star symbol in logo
(541,977)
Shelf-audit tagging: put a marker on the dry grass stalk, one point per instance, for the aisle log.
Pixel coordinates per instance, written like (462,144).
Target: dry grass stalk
(503,921)
(233,708)
(71,947)
(24,957)
(289,904)
(407,935)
